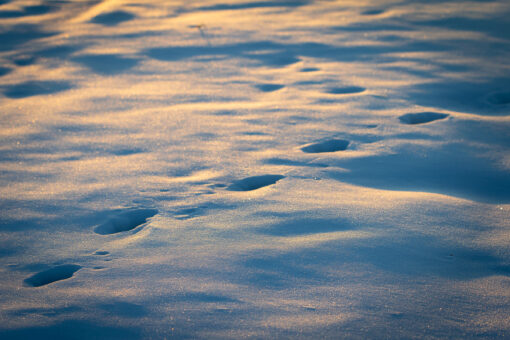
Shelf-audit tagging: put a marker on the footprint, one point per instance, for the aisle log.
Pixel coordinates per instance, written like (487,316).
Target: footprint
(58,273)
(269,87)
(125,221)
(4,71)
(330,145)
(421,117)
(106,64)
(309,69)
(255,182)
(112,18)
(373,12)
(101,253)
(346,90)
(35,88)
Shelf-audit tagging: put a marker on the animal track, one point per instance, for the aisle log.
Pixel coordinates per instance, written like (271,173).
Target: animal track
(58,273)
(331,145)
(125,221)
(255,182)
(421,117)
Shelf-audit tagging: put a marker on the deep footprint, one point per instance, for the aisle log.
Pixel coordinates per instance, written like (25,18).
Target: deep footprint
(346,90)
(58,273)
(255,182)
(331,145)
(421,117)
(125,221)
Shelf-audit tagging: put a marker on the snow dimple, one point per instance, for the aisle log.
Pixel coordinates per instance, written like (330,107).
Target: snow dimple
(255,182)
(51,275)
(305,226)
(35,88)
(309,69)
(269,87)
(113,18)
(101,253)
(499,98)
(125,221)
(330,145)
(106,64)
(289,162)
(346,90)
(421,117)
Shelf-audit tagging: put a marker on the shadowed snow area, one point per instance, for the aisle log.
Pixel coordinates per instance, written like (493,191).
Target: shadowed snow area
(305,226)
(51,275)
(231,169)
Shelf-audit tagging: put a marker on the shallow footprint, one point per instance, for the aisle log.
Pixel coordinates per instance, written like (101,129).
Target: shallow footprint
(255,182)
(421,117)
(125,221)
(330,145)
(58,273)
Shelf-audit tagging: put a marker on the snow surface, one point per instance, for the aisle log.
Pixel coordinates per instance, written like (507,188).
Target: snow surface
(254,169)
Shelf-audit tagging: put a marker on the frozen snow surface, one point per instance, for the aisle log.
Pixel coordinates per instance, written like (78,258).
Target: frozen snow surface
(254,169)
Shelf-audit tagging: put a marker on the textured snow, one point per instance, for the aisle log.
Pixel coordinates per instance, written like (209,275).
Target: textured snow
(254,169)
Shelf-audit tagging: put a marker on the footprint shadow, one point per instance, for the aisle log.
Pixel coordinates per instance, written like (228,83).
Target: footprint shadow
(421,117)
(51,275)
(330,145)
(106,64)
(254,183)
(113,18)
(35,88)
(125,221)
